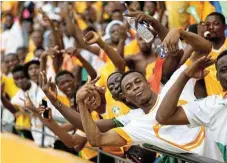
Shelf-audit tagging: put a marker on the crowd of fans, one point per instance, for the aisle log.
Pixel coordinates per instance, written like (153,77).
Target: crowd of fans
(81,63)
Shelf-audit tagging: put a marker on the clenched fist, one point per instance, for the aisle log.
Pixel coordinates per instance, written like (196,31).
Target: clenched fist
(91,38)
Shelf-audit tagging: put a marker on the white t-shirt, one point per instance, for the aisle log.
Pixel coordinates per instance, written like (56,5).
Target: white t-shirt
(36,95)
(94,60)
(132,114)
(12,39)
(212,113)
(180,139)
(68,41)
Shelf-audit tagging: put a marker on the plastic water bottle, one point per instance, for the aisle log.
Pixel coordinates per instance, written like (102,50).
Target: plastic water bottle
(142,29)
(161,51)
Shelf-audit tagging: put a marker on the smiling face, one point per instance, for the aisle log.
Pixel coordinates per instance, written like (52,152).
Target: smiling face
(11,61)
(222,71)
(114,32)
(66,84)
(215,27)
(136,89)
(20,80)
(113,84)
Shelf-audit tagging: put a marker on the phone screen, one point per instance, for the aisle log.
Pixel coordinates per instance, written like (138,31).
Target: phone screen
(44,103)
(46,114)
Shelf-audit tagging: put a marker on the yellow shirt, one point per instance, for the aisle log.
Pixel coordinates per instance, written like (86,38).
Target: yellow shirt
(150,70)
(31,49)
(207,9)
(203,9)
(177,14)
(30,56)
(31,45)
(113,108)
(86,153)
(10,87)
(10,6)
(23,120)
(212,84)
(132,48)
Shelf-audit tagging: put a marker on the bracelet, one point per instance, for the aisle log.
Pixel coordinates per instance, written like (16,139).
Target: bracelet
(59,105)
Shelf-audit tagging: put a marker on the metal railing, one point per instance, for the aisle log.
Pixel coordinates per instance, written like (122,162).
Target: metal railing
(180,158)
(104,157)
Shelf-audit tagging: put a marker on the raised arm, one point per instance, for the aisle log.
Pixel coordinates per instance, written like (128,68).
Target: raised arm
(141,17)
(6,103)
(56,35)
(74,29)
(76,52)
(95,137)
(118,61)
(69,140)
(123,36)
(171,114)
(172,62)
(71,115)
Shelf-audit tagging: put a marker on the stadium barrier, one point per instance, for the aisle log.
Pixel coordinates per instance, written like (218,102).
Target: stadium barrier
(103,156)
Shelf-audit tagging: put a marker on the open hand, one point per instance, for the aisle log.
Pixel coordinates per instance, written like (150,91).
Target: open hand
(140,16)
(171,41)
(87,91)
(28,105)
(197,69)
(48,87)
(123,32)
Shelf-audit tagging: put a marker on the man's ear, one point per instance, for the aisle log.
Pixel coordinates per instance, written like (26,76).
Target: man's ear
(121,95)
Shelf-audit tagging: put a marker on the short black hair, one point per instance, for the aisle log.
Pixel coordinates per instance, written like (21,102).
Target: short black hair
(116,72)
(61,73)
(221,16)
(140,2)
(27,65)
(18,68)
(10,54)
(129,72)
(22,48)
(224,53)
(154,2)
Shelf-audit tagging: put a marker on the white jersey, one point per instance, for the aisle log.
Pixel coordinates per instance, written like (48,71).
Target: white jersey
(180,139)
(123,120)
(36,95)
(212,113)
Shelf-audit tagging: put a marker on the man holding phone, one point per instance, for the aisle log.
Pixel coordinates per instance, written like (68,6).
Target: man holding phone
(17,102)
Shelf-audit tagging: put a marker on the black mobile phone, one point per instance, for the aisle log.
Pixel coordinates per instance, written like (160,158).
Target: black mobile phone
(46,112)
